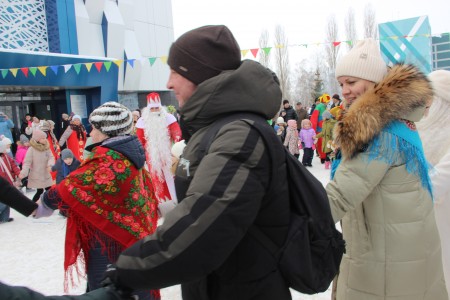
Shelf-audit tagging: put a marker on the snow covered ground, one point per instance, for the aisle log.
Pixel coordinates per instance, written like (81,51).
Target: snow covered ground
(31,253)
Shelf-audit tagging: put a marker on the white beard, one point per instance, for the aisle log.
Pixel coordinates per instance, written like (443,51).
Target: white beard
(158,142)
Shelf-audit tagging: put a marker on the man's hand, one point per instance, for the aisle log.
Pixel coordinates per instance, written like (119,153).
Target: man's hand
(111,281)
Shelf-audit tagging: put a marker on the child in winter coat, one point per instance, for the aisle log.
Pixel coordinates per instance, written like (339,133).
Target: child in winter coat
(327,136)
(22,147)
(37,164)
(7,141)
(280,129)
(291,139)
(307,137)
(9,171)
(65,164)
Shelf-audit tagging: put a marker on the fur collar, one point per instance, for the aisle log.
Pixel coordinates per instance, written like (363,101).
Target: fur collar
(402,91)
(38,146)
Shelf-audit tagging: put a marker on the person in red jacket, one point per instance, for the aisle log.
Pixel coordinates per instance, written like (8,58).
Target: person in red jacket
(158,130)
(75,137)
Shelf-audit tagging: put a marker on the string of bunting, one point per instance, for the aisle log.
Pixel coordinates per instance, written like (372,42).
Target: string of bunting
(106,65)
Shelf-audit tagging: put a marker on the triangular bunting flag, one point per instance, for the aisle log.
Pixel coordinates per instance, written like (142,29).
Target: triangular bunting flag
(163,59)
(349,43)
(267,50)
(43,70)
(336,44)
(33,70)
(77,68)
(151,60)
(304,45)
(88,66)
(107,65)
(395,38)
(98,66)
(131,62)
(4,72)
(24,71)
(14,71)
(254,52)
(67,68)
(118,62)
(279,46)
(54,69)
(244,52)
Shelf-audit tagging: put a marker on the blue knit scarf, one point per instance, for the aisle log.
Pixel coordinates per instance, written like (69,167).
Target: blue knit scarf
(397,142)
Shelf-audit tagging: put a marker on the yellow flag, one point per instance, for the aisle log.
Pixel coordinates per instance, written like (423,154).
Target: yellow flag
(88,66)
(163,59)
(14,71)
(43,70)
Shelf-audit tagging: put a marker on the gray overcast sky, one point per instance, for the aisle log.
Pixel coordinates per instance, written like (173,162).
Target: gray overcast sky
(303,21)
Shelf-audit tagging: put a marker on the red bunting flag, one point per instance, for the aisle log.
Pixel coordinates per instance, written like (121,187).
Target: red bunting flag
(24,71)
(98,66)
(254,52)
(336,44)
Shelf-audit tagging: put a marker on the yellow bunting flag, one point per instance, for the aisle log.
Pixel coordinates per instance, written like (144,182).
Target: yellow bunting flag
(88,66)
(118,62)
(163,59)
(43,70)
(244,52)
(14,71)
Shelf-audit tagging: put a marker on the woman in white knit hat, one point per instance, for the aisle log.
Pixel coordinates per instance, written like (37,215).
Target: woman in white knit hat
(380,188)
(434,132)
(108,199)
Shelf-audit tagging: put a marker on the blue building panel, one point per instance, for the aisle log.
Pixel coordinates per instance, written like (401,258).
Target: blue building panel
(407,41)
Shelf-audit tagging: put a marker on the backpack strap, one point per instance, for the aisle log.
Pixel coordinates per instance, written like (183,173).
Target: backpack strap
(270,141)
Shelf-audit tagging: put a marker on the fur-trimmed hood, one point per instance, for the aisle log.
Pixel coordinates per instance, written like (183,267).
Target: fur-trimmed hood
(402,94)
(40,147)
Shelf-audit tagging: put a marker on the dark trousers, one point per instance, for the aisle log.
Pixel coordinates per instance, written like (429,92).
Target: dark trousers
(308,154)
(39,193)
(96,267)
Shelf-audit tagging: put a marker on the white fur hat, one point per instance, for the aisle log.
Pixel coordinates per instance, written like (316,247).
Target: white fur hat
(440,80)
(363,61)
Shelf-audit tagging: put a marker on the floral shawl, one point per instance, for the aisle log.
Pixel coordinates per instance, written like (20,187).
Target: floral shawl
(107,200)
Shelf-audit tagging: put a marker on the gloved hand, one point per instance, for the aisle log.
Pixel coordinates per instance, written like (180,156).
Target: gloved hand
(111,281)
(42,210)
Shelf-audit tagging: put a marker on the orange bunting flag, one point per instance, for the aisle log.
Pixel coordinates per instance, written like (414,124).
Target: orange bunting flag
(24,71)
(14,71)
(43,70)
(98,66)
(254,52)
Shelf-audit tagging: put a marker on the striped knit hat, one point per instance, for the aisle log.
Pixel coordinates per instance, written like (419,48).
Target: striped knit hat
(112,119)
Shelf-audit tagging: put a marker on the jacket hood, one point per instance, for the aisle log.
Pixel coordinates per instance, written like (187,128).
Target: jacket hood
(250,88)
(129,146)
(402,94)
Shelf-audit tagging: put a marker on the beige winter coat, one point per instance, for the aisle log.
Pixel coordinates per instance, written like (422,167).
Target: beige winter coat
(393,249)
(37,161)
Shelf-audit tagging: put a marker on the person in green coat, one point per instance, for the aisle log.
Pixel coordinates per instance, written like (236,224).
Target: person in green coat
(327,136)
(380,188)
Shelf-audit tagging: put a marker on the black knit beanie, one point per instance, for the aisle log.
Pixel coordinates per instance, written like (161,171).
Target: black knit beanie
(204,52)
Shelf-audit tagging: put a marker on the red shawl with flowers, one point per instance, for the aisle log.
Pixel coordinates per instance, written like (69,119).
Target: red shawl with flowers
(108,197)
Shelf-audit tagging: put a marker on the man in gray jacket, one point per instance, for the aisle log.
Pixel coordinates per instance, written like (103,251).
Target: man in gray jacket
(204,243)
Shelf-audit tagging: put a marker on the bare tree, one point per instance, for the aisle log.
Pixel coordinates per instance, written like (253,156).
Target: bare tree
(264,57)
(350,27)
(370,24)
(303,84)
(331,53)
(282,60)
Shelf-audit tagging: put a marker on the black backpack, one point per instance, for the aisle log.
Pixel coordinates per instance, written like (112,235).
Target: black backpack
(312,252)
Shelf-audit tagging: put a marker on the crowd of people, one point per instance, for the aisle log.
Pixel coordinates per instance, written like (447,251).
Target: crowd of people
(388,179)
